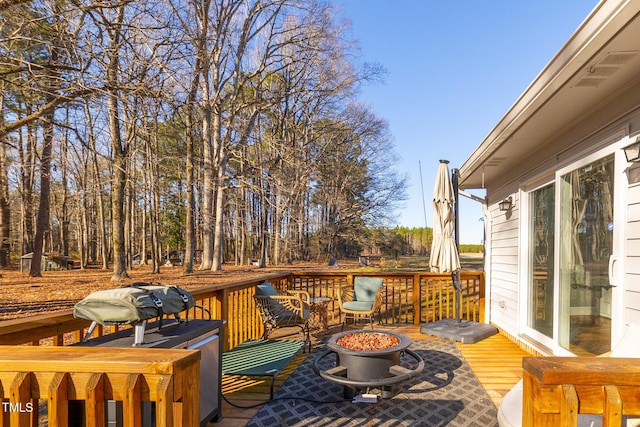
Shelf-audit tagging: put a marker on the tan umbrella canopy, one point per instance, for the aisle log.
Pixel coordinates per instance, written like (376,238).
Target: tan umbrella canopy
(444,252)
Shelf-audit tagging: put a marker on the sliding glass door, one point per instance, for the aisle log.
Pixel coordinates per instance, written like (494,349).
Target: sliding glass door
(570,225)
(586,243)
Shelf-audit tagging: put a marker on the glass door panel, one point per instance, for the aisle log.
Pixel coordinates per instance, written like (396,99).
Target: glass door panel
(586,242)
(541,226)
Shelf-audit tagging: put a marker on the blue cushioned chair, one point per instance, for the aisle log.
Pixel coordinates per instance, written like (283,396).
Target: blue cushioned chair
(283,308)
(362,299)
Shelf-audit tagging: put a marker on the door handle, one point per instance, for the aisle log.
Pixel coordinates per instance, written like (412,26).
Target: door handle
(612,260)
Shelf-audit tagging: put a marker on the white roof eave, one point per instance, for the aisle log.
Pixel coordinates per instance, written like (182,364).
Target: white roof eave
(602,24)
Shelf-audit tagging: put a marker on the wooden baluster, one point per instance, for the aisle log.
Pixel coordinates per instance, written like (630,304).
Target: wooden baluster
(4,415)
(20,395)
(164,404)
(132,405)
(569,406)
(95,401)
(58,402)
(190,395)
(612,411)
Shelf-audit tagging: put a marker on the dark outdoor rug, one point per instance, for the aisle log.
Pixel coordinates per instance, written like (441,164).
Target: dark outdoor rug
(446,393)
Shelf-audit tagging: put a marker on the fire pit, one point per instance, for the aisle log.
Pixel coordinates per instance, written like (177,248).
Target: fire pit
(367,358)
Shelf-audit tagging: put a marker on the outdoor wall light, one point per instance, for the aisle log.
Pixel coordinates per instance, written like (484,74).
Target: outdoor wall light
(632,152)
(506,204)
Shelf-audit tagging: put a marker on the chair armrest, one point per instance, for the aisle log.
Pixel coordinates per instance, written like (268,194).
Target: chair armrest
(278,303)
(345,294)
(304,295)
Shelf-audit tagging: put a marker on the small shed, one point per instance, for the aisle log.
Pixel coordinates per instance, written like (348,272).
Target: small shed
(48,263)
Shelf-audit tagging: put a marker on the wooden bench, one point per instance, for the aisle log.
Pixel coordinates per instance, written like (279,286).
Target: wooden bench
(260,358)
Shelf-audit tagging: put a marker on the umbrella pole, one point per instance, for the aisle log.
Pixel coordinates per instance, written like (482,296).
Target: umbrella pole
(456,274)
(455,277)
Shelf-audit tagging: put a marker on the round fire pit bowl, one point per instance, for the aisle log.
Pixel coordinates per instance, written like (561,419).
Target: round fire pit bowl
(368,359)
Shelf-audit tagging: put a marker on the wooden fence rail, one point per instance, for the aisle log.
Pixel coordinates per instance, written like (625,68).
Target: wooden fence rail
(88,377)
(409,298)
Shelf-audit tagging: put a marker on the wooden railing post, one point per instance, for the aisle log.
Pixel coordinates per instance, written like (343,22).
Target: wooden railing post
(482,297)
(417,299)
(221,302)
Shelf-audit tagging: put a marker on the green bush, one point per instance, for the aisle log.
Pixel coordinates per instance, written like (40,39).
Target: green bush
(471,249)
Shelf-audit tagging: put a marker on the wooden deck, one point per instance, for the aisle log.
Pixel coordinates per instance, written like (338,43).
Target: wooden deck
(497,375)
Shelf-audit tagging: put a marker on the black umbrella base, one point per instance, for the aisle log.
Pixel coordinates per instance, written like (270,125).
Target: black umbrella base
(464,331)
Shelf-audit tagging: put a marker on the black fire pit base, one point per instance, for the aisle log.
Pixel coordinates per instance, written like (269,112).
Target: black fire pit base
(464,331)
(358,370)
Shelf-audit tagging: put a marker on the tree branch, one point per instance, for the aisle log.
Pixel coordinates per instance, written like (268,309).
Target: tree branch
(10,127)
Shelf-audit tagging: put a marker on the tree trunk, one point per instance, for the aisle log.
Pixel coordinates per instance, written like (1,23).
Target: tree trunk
(119,152)
(27,156)
(42,221)
(5,209)
(64,209)
(207,208)
(48,123)
(190,242)
(218,229)
(101,220)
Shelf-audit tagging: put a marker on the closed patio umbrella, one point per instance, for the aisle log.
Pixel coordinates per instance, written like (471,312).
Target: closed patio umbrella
(444,248)
(444,251)
(445,258)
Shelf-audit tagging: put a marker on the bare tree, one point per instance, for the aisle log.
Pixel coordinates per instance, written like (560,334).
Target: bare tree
(5,210)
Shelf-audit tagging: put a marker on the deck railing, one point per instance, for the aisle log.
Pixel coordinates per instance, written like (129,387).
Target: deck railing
(409,298)
(558,389)
(76,382)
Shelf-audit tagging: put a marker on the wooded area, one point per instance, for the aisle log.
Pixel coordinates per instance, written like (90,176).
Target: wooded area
(219,130)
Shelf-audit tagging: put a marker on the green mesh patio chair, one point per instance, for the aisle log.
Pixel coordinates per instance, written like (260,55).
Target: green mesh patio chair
(362,299)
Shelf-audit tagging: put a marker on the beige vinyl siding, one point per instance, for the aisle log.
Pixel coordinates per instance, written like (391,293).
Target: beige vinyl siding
(504,267)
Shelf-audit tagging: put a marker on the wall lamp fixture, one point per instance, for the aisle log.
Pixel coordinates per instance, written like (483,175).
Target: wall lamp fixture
(506,204)
(632,152)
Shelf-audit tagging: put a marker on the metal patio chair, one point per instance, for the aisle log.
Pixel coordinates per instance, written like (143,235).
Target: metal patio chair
(283,309)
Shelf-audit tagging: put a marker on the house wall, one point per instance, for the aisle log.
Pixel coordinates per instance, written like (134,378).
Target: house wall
(504,253)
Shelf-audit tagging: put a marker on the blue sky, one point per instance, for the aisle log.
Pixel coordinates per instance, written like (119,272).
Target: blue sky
(454,68)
